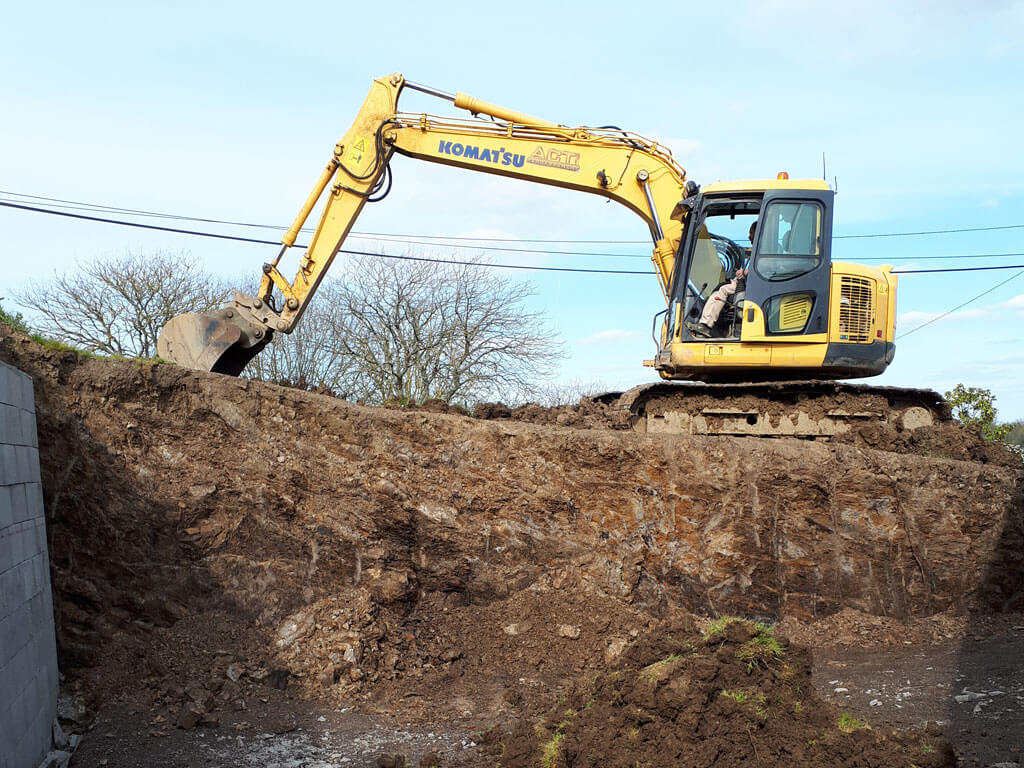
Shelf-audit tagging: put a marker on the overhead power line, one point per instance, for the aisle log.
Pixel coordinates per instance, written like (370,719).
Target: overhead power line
(135,224)
(929,232)
(439,238)
(503,266)
(955,269)
(218,236)
(944,258)
(961,306)
(141,212)
(343,250)
(57,202)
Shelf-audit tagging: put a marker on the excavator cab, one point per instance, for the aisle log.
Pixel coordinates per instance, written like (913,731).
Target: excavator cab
(796,314)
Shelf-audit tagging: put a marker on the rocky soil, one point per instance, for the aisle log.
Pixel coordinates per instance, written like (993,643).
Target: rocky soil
(217,542)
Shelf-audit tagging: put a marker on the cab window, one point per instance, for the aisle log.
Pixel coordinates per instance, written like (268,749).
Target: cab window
(706,269)
(789,240)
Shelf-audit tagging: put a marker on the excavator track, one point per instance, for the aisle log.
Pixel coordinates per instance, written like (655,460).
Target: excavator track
(816,410)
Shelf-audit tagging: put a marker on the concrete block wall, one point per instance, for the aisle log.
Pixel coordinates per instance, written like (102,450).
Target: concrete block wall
(28,650)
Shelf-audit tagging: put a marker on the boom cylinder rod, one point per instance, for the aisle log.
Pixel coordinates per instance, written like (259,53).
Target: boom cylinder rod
(300,220)
(431,91)
(657,231)
(478,107)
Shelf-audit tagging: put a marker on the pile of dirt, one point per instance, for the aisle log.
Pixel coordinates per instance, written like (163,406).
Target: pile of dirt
(428,564)
(588,413)
(851,628)
(733,697)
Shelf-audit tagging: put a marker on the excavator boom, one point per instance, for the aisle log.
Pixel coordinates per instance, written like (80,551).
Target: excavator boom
(621,166)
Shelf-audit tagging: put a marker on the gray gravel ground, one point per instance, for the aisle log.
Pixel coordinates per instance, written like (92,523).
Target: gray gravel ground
(319,737)
(974,689)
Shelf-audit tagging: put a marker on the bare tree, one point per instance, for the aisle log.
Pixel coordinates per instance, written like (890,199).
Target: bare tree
(117,305)
(308,357)
(410,331)
(553,394)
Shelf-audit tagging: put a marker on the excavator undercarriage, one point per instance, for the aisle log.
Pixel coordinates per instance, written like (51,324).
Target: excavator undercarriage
(815,410)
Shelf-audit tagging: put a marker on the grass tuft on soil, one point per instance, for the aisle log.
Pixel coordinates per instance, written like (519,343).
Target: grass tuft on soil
(847,723)
(550,750)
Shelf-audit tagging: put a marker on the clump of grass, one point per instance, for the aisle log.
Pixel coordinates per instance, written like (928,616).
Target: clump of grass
(549,751)
(848,723)
(739,697)
(549,747)
(761,709)
(16,321)
(568,716)
(718,626)
(760,650)
(58,346)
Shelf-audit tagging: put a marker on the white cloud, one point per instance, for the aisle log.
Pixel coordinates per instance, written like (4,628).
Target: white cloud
(612,336)
(990,203)
(1017,302)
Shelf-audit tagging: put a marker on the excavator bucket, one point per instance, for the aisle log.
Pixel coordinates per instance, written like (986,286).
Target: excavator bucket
(221,341)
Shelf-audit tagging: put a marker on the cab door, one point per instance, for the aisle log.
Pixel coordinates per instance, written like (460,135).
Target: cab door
(787,291)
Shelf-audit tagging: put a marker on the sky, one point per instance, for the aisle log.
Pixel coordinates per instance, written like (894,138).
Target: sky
(229,111)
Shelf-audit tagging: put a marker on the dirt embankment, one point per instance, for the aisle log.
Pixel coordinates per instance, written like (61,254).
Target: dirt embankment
(385,555)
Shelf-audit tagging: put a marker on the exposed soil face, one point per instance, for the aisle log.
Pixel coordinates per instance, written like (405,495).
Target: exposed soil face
(436,566)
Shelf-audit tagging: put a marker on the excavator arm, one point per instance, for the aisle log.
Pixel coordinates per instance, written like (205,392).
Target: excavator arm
(621,166)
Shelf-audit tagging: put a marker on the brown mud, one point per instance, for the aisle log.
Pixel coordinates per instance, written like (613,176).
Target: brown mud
(215,542)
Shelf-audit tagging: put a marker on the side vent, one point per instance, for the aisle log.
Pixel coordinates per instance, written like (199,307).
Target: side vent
(794,311)
(856,309)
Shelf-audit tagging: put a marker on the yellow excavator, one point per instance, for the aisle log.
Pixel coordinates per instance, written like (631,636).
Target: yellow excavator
(793,313)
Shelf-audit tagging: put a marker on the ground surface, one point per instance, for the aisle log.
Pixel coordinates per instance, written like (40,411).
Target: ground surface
(973,686)
(216,542)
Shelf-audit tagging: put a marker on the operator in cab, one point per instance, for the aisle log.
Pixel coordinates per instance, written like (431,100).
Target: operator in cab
(717,300)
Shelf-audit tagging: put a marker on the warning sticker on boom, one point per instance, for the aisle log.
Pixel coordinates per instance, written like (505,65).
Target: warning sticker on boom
(358,150)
